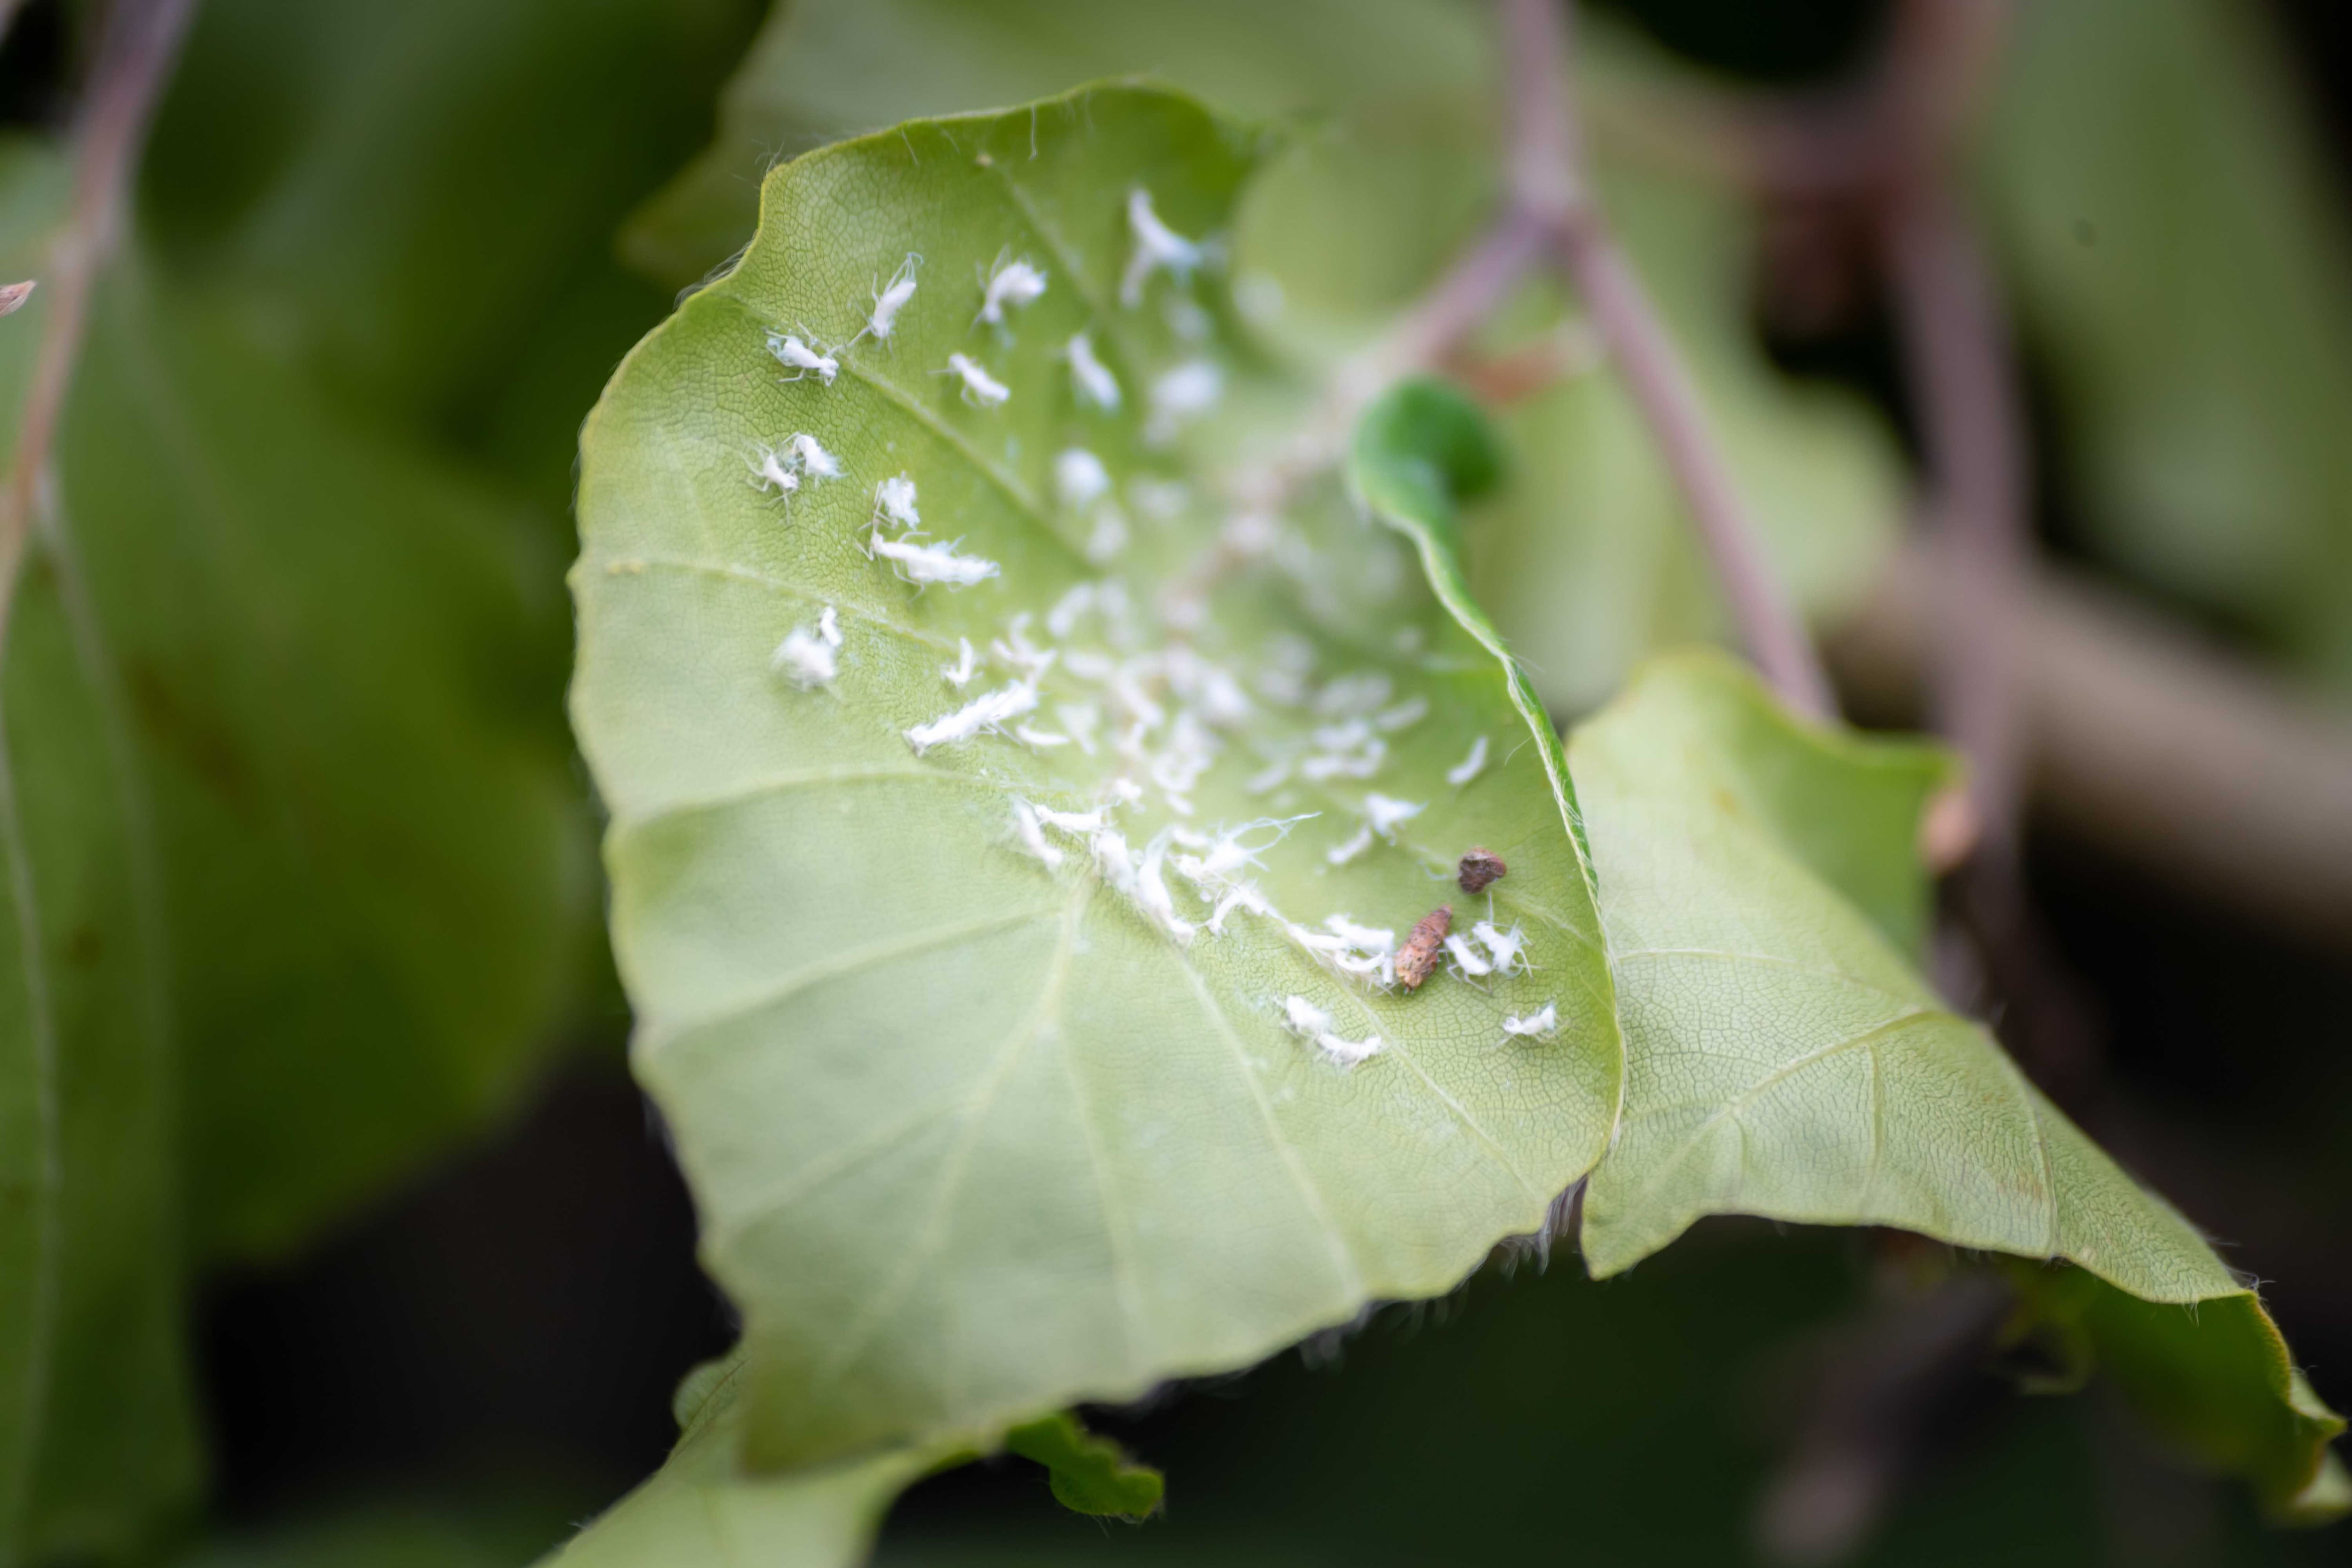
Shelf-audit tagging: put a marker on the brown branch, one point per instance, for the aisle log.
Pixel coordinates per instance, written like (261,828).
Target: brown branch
(1637,340)
(141,38)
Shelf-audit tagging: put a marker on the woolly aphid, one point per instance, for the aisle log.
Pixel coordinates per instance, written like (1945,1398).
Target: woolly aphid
(812,459)
(1472,963)
(1013,282)
(1080,479)
(772,472)
(1469,767)
(981,389)
(1537,1025)
(890,299)
(1340,854)
(1309,1022)
(1156,247)
(987,714)
(924,564)
(895,498)
(1093,378)
(1033,838)
(806,656)
(1507,946)
(966,665)
(1386,813)
(802,360)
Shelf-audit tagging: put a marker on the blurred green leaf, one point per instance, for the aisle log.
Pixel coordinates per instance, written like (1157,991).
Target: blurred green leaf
(972,1133)
(2180,258)
(1090,1474)
(701,1510)
(2216,1381)
(1783,1059)
(96,1447)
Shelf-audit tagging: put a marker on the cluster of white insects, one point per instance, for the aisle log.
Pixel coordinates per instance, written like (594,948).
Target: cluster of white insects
(1162,716)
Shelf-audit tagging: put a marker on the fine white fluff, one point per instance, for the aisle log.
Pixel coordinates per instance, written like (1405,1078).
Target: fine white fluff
(966,665)
(1156,246)
(1411,710)
(1372,939)
(1304,1018)
(928,563)
(1043,740)
(1080,479)
(1504,945)
(1112,859)
(1347,1053)
(791,351)
(814,459)
(1386,813)
(890,299)
(828,626)
(1151,891)
(991,713)
(1469,767)
(1184,393)
(1077,823)
(805,657)
(1032,839)
(1013,283)
(770,472)
(1468,957)
(1545,1022)
(895,498)
(1340,855)
(1241,895)
(1095,381)
(979,388)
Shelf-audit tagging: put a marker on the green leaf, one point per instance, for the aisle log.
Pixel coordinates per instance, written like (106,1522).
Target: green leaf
(97,1444)
(974,1134)
(2175,234)
(822,68)
(700,1511)
(1783,1059)
(2217,1382)
(1090,1473)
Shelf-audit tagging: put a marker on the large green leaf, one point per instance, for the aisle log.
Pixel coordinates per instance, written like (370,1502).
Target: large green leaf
(2179,252)
(973,1130)
(97,1442)
(1783,1058)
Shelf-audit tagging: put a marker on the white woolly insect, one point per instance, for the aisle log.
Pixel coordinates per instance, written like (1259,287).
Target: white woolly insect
(1015,649)
(895,498)
(1127,790)
(1371,939)
(1013,283)
(1359,764)
(981,389)
(1411,710)
(771,473)
(1112,859)
(1321,943)
(1190,390)
(1535,1026)
(1080,720)
(966,665)
(924,564)
(1347,1053)
(805,657)
(1304,1018)
(1156,246)
(797,355)
(990,713)
(814,459)
(1468,957)
(1340,854)
(1151,891)
(828,626)
(1386,813)
(1108,540)
(1469,767)
(1505,945)
(1044,740)
(1033,838)
(1095,381)
(1080,479)
(1077,823)
(891,298)
(1241,895)
(1063,618)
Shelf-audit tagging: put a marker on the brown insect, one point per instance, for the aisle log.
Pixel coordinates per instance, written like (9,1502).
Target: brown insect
(1417,959)
(1481,870)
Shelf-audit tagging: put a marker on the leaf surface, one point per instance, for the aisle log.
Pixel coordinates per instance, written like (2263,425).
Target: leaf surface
(980,1122)
(1761,890)
(1090,1473)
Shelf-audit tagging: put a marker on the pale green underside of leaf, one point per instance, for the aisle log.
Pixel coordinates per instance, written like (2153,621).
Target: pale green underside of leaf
(700,1511)
(97,1440)
(971,1136)
(1783,1057)
(2179,251)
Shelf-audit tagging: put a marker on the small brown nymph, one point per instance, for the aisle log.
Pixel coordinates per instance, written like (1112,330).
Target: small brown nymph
(1481,870)
(1417,959)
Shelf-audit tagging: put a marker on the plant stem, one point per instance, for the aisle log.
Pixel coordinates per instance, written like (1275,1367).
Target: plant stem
(141,38)
(1637,340)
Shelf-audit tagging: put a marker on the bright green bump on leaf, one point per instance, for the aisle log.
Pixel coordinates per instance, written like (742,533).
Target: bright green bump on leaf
(986,1115)
(701,1510)
(1782,1056)
(2216,1381)
(1090,1473)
